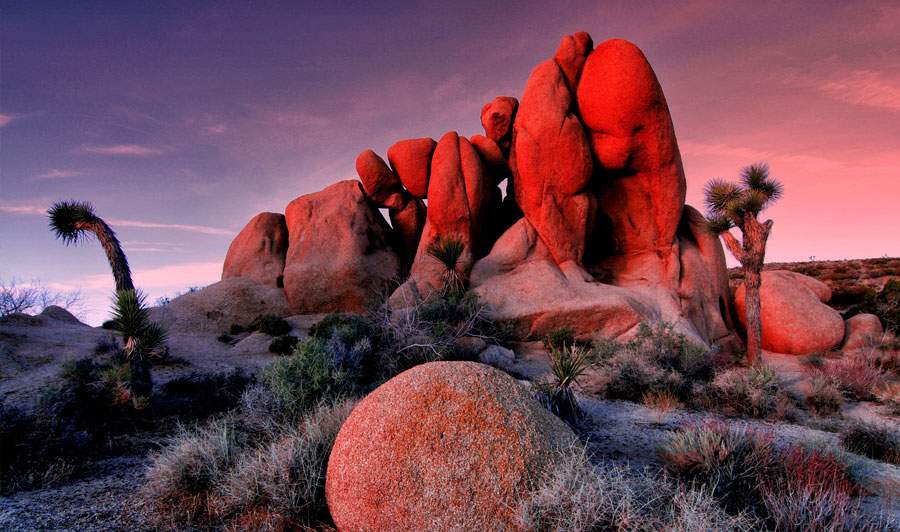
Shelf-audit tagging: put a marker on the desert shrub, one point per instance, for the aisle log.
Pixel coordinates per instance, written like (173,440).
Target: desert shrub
(796,488)
(109,325)
(34,296)
(663,402)
(350,328)
(846,295)
(824,398)
(754,391)
(857,373)
(577,496)
(281,483)
(885,304)
(283,345)
(181,476)
(199,395)
(559,339)
(270,324)
(889,394)
(657,359)
(877,441)
(225,338)
(310,376)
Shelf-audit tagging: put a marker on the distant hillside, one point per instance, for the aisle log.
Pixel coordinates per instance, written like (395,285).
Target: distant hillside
(849,280)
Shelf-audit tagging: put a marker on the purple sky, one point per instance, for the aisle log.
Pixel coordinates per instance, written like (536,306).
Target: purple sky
(180,121)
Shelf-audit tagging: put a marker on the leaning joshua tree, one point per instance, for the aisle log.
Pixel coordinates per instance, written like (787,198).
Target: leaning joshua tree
(72,221)
(731,205)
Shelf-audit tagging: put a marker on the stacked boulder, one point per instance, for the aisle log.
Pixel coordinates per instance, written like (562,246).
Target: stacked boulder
(592,232)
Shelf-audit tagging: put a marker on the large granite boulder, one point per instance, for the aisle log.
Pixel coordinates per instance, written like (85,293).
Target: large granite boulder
(443,446)
(259,250)
(411,160)
(795,319)
(339,256)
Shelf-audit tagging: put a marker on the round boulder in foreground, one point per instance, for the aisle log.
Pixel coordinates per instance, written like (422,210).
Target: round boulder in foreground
(443,446)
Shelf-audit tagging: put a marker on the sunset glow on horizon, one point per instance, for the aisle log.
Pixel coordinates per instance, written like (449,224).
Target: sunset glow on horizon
(181,121)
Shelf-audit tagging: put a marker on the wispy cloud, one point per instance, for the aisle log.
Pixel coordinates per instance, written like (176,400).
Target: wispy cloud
(125,150)
(60,174)
(6,119)
(865,87)
(183,227)
(23,209)
(690,148)
(217,129)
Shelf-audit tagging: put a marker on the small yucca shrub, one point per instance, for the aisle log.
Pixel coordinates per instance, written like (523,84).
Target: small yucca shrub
(567,364)
(448,251)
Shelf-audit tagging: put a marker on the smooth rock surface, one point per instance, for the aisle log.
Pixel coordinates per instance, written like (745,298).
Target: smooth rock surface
(215,308)
(447,446)
(411,160)
(379,182)
(794,319)
(259,250)
(339,258)
(859,329)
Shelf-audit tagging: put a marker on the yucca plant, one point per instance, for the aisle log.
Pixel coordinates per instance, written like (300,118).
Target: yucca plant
(567,364)
(448,250)
(72,221)
(732,205)
(142,338)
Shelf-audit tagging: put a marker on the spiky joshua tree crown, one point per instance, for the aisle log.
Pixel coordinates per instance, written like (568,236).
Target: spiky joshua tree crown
(728,204)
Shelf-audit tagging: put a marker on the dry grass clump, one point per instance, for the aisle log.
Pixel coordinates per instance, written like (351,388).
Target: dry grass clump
(824,398)
(859,373)
(754,391)
(877,441)
(228,474)
(578,496)
(792,489)
(889,394)
(663,402)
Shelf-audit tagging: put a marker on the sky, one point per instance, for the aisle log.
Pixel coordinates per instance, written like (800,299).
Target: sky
(180,121)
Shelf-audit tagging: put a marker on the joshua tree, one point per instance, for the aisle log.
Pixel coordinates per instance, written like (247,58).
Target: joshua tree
(730,205)
(142,337)
(72,221)
(448,251)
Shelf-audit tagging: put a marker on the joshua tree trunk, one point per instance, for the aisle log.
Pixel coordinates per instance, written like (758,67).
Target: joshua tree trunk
(141,382)
(114,253)
(752,256)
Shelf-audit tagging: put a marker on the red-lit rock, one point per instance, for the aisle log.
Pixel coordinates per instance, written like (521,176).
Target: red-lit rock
(338,258)
(408,225)
(497,118)
(491,156)
(571,55)
(259,250)
(860,329)
(411,159)
(553,166)
(794,319)
(640,179)
(379,182)
(442,446)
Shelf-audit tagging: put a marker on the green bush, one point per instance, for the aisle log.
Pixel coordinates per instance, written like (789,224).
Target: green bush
(283,345)
(309,377)
(270,324)
(560,338)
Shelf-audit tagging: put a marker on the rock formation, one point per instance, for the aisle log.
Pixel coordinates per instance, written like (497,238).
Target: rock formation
(593,232)
(259,250)
(339,256)
(442,446)
(860,329)
(795,319)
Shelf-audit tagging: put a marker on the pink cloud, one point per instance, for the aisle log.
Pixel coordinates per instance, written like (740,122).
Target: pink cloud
(192,228)
(23,209)
(127,150)
(865,87)
(6,119)
(60,174)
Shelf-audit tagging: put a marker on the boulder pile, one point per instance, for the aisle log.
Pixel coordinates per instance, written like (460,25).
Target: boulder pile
(591,230)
